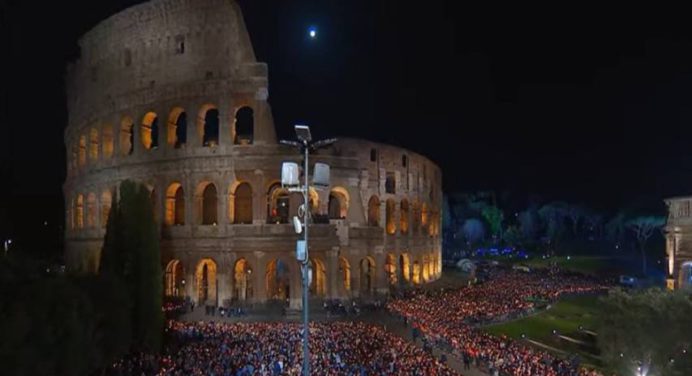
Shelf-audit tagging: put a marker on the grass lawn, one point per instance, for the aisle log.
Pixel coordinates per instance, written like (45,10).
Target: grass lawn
(565,316)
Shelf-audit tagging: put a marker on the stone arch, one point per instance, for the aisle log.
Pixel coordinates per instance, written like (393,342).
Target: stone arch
(367,275)
(242,280)
(240,203)
(175,205)
(425,269)
(338,203)
(207,198)
(415,278)
(244,126)
(390,269)
(177,128)
(107,137)
(374,211)
(91,209)
(405,266)
(106,202)
(93,144)
(403,216)
(208,125)
(149,130)
(424,215)
(318,285)
(345,273)
(126,135)
(391,216)
(82,150)
(278,280)
(278,204)
(206,282)
(174,277)
(79,211)
(415,217)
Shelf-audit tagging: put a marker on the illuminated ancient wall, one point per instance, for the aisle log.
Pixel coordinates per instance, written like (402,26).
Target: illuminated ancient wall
(679,242)
(169,93)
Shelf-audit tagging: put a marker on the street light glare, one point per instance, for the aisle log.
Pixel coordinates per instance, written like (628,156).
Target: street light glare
(312,32)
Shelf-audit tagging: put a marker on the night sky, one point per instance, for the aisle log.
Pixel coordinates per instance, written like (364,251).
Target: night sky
(556,102)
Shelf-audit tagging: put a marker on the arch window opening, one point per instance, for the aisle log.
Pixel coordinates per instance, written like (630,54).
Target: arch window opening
(374,211)
(79,211)
(91,210)
(390,183)
(209,205)
(416,273)
(337,206)
(205,276)
(244,126)
(318,284)
(175,275)
(150,131)
(108,141)
(94,144)
(391,216)
(367,275)
(126,136)
(403,219)
(373,155)
(242,280)
(210,136)
(175,205)
(177,128)
(106,202)
(242,204)
(279,205)
(278,282)
(82,151)
(345,272)
(390,270)
(404,267)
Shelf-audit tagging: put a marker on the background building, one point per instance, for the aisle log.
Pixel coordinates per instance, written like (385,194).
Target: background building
(679,242)
(169,93)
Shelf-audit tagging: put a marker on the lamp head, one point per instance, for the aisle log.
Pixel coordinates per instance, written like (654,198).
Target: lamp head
(303,133)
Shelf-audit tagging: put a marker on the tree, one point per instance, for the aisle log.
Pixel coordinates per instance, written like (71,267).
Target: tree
(473,230)
(494,216)
(528,221)
(553,215)
(643,227)
(615,228)
(593,222)
(575,213)
(513,236)
(131,253)
(651,327)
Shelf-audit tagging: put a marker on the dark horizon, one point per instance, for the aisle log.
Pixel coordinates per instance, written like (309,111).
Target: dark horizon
(575,108)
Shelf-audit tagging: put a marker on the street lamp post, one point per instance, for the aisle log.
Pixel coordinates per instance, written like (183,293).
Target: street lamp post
(289,177)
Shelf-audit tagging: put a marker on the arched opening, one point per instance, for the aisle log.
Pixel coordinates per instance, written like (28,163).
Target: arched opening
(403,217)
(107,141)
(415,216)
(177,128)
(367,275)
(345,272)
(205,276)
(244,126)
(425,272)
(391,216)
(416,273)
(126,136)
(94,144)
(106,202)
(278,280)
(82,150)
(242,280)
(209,204)
(374,211)
(150,131)
(390,269)
(278,204)
(175,205)
(79,211)
(404,267)
(91,210)
(175,275)
(318,285)
(242,204)
(338,203)
(208,126)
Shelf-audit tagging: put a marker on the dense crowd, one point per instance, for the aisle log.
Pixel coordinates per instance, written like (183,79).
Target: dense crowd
(451,316)
(244,349)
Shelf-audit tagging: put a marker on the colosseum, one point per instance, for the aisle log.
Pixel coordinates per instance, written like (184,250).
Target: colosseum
(169,93)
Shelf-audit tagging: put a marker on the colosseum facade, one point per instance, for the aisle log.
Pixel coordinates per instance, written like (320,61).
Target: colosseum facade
(169,93)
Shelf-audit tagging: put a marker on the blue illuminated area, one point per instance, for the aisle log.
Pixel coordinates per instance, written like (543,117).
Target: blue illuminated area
(312,32)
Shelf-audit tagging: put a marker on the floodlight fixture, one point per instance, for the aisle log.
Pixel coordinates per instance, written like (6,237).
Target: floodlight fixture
(290,174)
(303,133)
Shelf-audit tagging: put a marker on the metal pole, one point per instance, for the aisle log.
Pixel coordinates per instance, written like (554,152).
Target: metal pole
(306,193)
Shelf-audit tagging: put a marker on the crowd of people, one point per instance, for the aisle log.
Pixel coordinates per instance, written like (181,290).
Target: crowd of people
(264,348)
(451,317)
